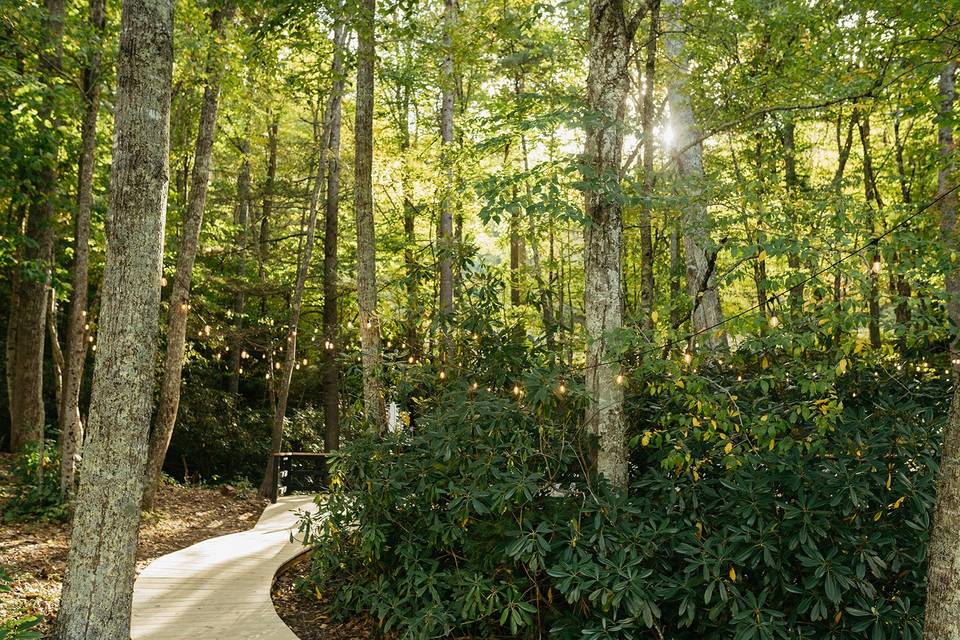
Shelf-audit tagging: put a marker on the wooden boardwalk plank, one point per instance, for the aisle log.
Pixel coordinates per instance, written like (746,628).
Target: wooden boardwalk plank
(219,589)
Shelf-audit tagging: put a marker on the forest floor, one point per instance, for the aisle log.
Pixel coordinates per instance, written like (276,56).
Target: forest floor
(308,616)
(34,554)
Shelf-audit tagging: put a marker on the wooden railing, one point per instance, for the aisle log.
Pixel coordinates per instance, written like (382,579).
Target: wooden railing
(292,472)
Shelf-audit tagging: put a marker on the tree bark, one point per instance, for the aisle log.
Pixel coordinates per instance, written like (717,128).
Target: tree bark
(445,240)
(97,591)
(688,158)
(179,302)
(942,621)
(27,419)
(263,242)
(608,79)
(371,356)
(71,425)
(331,294)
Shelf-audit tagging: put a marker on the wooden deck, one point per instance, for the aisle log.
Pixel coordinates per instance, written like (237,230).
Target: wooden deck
(219,589)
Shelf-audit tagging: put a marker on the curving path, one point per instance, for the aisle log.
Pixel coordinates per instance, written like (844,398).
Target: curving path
(219,589)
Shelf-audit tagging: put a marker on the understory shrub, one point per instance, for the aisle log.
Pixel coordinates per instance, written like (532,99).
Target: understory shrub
(35,494)
(793,504)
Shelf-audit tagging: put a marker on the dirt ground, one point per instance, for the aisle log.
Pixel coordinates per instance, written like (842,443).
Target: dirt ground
(308,616)
(34,554)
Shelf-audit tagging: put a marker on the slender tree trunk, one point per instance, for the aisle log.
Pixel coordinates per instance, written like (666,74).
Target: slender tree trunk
(331,327)
(27,417)
(414,312)
(56,352)
(445,240)
(71,426)
(371,356)
(942,620)
(647,285)
(242,220)
(326,141)
(871,194)
(97,591)
(178,310)
(517,248)
(610,37)
(688,156)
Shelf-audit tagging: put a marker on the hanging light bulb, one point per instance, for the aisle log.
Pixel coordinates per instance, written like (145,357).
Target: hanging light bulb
(183,307)
(389,344)
(443,375)
(474,386)
(411,359)
(877,265)
(562,389)
(304,362)
(516,390)
(350,325)
(268,376)
(774,321)
(93,348)
(687,357)
(163,281)
(620,379)
(369,325)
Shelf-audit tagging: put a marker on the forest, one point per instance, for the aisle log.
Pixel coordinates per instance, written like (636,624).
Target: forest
(602,319)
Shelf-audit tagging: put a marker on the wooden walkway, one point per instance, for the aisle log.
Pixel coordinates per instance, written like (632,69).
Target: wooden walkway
(219,589)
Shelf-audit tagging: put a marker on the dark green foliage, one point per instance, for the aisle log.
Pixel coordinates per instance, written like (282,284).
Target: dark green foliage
(479,521)
(216,439)
(36,496)
(21,627)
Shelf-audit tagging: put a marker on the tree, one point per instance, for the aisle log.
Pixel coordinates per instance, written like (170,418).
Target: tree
(330,118)
(610,37)
(25,350)
(331,332)
(71,425)
(179,303)
(97,591)
(445,239)
(700,259)
(942,621)
(371,357)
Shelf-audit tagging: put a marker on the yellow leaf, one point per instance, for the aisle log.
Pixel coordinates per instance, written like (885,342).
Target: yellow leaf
(696,422)
(836,618)
(764,363)
(877,517)
(696,476)
(645,440)
(773,443)
(728,448)
(699,530)
(680,383)
(889,481)
(841,366)
(733,574)
(654,316)
(896,505)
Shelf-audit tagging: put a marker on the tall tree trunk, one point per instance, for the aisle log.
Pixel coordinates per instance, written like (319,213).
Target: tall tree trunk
(371,356)
(942,620)
(698,248)
(178,310)
(871,194)
(97,591)
(647,286)
(71,426)
(411,272)
(517,248)
(331,326)
(610,37)
(27,417)
(330,118)
(242,220)
(445,240)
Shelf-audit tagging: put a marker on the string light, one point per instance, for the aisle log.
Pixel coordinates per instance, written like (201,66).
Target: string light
(620,379)
(877,266)
(687,357)
(474,386)
(774,321)
(562,389)
(411,359)
(163,281)
(443,374)
(516,390)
